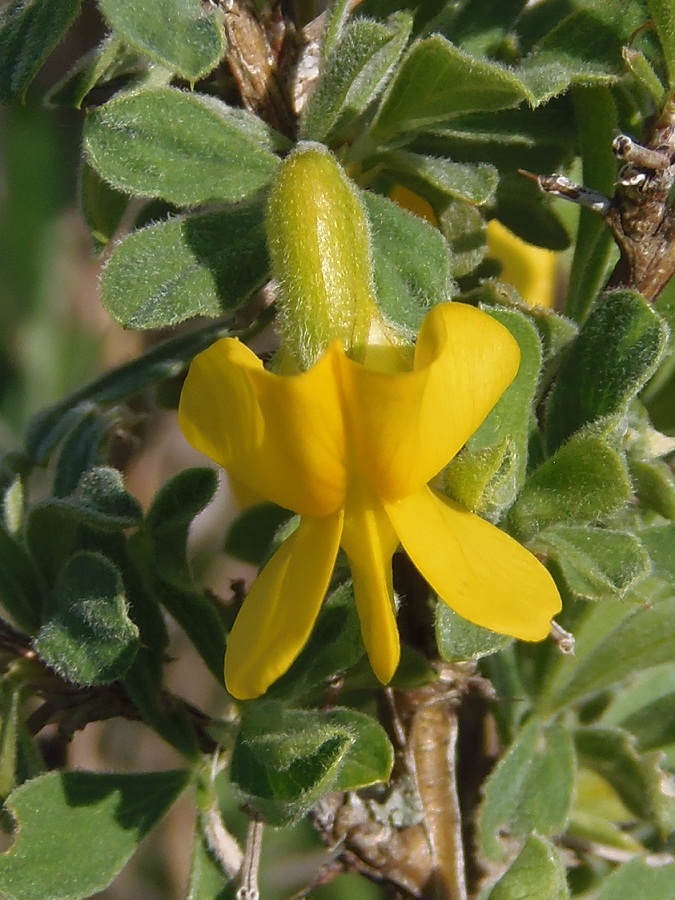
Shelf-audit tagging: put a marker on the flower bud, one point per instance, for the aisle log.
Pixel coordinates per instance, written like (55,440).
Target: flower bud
(319,240)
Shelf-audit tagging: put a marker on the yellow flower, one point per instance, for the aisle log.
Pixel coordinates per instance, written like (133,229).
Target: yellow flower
(530,269)
(352,449)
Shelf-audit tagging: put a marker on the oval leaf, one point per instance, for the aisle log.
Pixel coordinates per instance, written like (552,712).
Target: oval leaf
(186,36)
(186,267)
(87,636)
(176,146)
(58,815)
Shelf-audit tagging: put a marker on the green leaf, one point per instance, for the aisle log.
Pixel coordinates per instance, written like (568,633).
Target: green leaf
(641,69)
(530,790)
(336,17)
(595,563)
(166,360)
(587,43)
(639,878)
(20,589)
(459,639)
(539,140)
(109,63)
(536,874)
(160,552)
(354,74)
(87,635)
(463,227)
(481,28)
(659,541)
(618,349)
(484,480)
(184,148)
(285,759)
(437,81)
(473,183)
(102,206)
(83,451)
(510,418)
(100,500)
(199,265)
(638,780)
(182,35)
(663,17)
(12,507)
(58,815)
(29,31)
(586,480)
(597,123)
(411,260)
(10,698)
(252,533)
(644,638)
(370,758)
(655,486)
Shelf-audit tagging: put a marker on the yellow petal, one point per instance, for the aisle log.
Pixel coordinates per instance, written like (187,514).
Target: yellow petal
(406,426)
(280,610)
(369,542)
(478,570)
(531,270)
(281,436)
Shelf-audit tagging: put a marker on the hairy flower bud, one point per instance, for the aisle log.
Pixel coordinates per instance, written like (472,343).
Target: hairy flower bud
(319,239)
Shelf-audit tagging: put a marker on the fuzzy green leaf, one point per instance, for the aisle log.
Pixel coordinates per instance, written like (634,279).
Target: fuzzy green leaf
(160,551)
(659,541)
(586,44)
(20,587)
(183,35)
(663,16)
(531,788)
(83,451)
(484,480)
(354,74)
(29,31)
(437,81)
(595,563)
(618,349)
(10,704)
(586,480)
(536,874)
(510,418)
(597,122)
(370,758)
(411,259)
(642,639)
(111,61)
(473,183)
(184,148)
(638,780)
(459,639)
(57,816)
(252,533)
(655,486)
(639,878)
(87,635)
(285,759)
(102,206)
(198,265)
(100,500)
